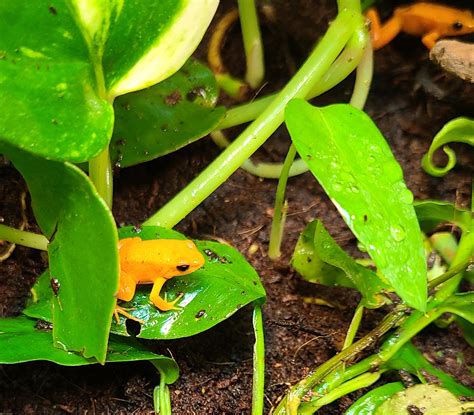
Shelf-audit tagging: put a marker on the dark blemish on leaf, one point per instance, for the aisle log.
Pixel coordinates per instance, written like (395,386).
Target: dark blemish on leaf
(133,327)
(255,283)
(309,157)
(120,142)
(3,55)
(173,98)
(199,91)
(146,152)
(365,218)
(309,259)
(238,306)
(125,105)
(118,163)
(137,229)
(200,313)
(53,10)
(164,128)
(43,325)
(243,293)
(55,286)
(54,121)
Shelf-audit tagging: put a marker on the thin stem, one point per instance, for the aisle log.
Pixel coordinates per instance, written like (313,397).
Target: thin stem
(101,174)
(258,132)
(252,43)
(362,381)
(342,67)
(452,272)
(365,70)
(24,238)
(354,326)
(161,397)
(278,222)
(258,362)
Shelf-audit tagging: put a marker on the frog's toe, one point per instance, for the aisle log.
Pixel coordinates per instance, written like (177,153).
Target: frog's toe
(124,312)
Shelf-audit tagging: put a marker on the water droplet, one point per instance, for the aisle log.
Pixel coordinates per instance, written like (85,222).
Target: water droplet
(398,232)
(337,187)
(334,165)
(406,196)
(354,189)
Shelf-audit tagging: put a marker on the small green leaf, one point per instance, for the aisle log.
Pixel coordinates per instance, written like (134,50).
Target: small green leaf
(461,304)
(427,399)
(368,403)
(431,213)
(410,359)
(319,259)
(161,119)
(49,100)
(353,163)
(460,130)
(211,294)
(23,340)
(83,255)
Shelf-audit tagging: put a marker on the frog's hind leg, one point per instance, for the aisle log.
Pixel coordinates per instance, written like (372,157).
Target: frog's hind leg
(125,312)
(382,34)
(155,298)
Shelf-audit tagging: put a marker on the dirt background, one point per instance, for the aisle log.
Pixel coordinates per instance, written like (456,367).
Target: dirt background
(410,101)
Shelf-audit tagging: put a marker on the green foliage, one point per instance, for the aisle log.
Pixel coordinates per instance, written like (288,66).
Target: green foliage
(459,130)
(83,255)
(433,399)
(211,294)
(23,339)
(368,403)
(161,119)
(353,163)
(319,259)
(62,65)
(431,213)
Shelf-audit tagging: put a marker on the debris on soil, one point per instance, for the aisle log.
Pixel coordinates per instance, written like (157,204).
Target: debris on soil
(455,57)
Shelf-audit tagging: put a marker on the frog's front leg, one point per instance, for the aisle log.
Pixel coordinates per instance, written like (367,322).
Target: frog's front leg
(430,39)
(382,34)
(157,300)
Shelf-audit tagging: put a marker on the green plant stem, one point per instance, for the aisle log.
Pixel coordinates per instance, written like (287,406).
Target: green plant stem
(101,174)
(252,43)
(258,132)
(161,397)
(365,70)
(29,239)
(354,326)
(258,362)
(362,381)
(452,272)
(278,222)
(289,405)
(342,67)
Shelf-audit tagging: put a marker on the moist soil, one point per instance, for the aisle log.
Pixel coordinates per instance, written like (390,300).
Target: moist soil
(410,100)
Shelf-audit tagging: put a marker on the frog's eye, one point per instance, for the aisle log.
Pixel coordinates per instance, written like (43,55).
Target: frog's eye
(457,26)
(182,268)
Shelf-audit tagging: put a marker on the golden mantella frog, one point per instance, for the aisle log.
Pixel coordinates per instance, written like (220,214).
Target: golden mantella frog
(429,20)
(154,262)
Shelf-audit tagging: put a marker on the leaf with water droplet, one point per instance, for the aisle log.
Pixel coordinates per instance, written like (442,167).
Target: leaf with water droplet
(380,213)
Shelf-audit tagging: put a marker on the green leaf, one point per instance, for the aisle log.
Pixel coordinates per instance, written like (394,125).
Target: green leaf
(467,330)
(410,359)
(49,100)
(83,255)
(211,294)
(63,63)
(460,130)
(161,119)
(368,403)
(319,259)
(23,340)
(461,304)
(431,213)
(427,399)
(353,163)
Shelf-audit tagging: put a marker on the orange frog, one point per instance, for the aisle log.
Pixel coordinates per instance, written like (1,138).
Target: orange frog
(154,262)
(429,20)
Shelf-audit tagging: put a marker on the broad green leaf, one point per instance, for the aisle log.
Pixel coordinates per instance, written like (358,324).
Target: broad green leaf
(353,163)
(461,304)
(161,119)
(460,130)
(431,213)
(368,403)
(427,399)
(49,100)
(23,340)
(63,63)
(319,259)
(211,294)
(410,359)
(83,255)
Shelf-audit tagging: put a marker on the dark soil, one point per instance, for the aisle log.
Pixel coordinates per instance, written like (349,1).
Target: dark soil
(410,101)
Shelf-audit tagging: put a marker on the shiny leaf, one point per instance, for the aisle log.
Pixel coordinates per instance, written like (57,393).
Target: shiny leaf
(353,163)
(431,213)
(23,340)
(368,403)
(161,119)
(459,130)
(83,256)
(319,259)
